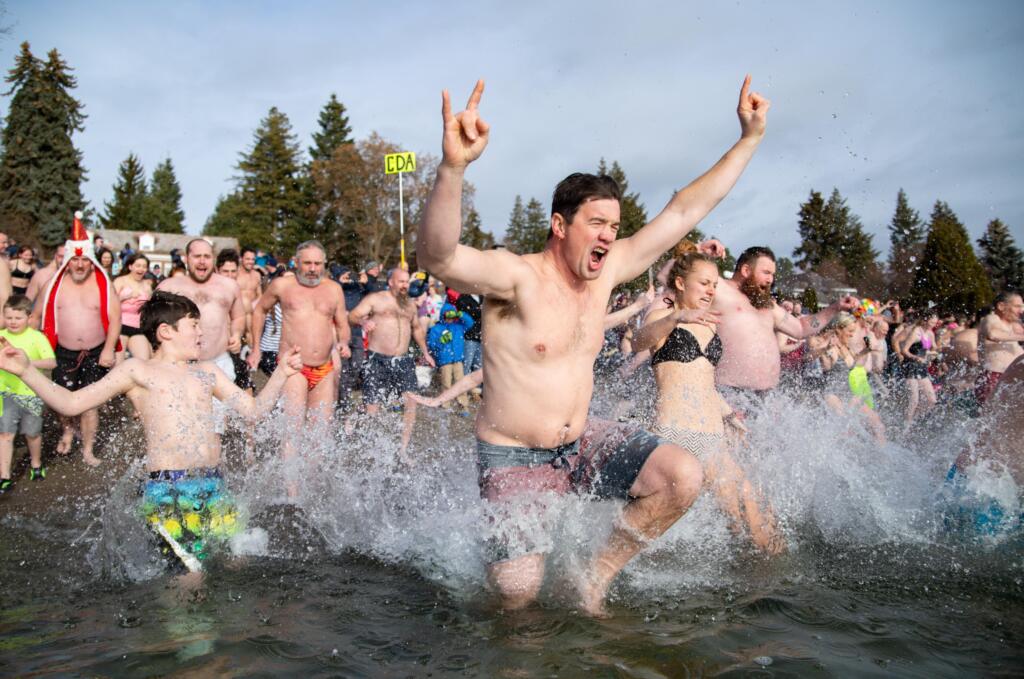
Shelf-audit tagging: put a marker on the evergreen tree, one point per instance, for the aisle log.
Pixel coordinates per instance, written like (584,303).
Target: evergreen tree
(41,170)
(129,209)
(164,213)
(228,216)
(809,300)
(784,272)
(272,213)
(906,239)
(528,227)
(832,237)
(473,234)
(334,130)
(950,275)
(633,216)
(1001,257)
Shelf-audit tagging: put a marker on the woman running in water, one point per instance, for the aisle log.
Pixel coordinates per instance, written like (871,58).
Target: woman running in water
(916,346)
(689,411)
(837,361)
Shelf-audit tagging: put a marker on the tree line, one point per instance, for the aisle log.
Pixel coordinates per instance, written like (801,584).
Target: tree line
(338,193)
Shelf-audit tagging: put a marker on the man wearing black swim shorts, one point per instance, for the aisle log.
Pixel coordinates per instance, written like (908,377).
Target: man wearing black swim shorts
(388,318)
(543,322)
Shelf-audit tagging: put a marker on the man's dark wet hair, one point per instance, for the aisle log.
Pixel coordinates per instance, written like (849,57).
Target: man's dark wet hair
(247,249)
(164,307)
(228,255)
(577,189)
(751,255)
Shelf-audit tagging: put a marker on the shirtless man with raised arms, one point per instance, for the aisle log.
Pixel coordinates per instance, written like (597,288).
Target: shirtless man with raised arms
(748,321)
(542,329)
(388,318)
(315,321)
(999,338)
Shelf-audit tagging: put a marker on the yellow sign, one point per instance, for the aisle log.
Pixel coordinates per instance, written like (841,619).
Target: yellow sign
(396,163)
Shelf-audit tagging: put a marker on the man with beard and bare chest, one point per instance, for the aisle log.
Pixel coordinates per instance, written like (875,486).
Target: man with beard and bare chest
(316,322)
(41,278)
(79,314)
(748,319)
(388,318)
(250,283)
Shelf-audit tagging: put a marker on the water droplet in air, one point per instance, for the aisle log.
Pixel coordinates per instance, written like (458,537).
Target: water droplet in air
(763,660)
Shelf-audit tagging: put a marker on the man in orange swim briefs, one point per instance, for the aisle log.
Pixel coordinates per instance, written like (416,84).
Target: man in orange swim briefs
(315,321)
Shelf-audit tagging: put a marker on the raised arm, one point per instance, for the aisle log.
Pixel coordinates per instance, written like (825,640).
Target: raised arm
(68,403)
(805,326)
(492,273)
(690,205)
(252,409)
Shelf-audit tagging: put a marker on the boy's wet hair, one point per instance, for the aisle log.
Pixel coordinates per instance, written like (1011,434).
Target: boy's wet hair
(18,303)
(165,307)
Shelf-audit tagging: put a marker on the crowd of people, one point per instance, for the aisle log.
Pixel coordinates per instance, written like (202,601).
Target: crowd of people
(520,338)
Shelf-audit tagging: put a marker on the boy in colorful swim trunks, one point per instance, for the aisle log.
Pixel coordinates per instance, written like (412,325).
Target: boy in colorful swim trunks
(173,393)
(21,410)
(542,329)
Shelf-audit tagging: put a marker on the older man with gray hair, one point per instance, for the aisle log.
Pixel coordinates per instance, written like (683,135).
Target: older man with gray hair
(315,321)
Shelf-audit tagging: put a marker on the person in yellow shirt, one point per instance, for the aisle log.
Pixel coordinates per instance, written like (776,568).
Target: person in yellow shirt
(21,410)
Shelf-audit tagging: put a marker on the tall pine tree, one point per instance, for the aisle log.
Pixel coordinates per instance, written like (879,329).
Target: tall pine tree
(270,211)
(334,130)
(1001,257)
(41,170)
(128,210)
(950,276)
(906,240)
(527,229)
(164,213)
(633,215)
(473,233)
(833,240)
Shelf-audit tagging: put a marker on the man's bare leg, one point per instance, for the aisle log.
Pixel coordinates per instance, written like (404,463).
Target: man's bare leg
(90,423)
(667,485)
(517,581)
(293,403)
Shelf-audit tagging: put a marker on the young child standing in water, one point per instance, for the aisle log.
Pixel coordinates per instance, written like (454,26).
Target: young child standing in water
(21,410)
(173,394)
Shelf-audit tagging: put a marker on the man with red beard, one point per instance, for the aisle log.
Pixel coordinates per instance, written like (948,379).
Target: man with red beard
(748,319)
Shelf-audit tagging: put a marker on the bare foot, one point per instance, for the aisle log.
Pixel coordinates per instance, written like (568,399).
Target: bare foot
(91,459)
(64,445)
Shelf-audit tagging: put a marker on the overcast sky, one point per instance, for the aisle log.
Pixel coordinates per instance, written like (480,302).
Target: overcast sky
(866,96)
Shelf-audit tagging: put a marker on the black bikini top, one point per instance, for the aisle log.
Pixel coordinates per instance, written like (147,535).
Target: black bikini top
(683,347)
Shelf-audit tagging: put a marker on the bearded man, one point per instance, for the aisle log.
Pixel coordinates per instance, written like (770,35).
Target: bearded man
(315,320)
(81,318)
(748,319)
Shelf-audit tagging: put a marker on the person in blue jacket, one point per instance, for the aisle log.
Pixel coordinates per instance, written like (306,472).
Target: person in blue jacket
(447,344)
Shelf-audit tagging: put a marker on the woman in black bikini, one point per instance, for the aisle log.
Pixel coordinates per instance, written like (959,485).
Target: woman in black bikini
(689,411)
(22,269)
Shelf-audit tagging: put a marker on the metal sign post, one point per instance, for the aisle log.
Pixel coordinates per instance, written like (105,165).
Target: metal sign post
(400,163)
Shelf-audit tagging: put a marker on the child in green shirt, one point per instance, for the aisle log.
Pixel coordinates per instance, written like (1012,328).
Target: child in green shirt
(20,409)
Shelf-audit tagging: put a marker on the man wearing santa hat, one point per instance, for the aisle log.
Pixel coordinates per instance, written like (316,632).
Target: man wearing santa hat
(83,326)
